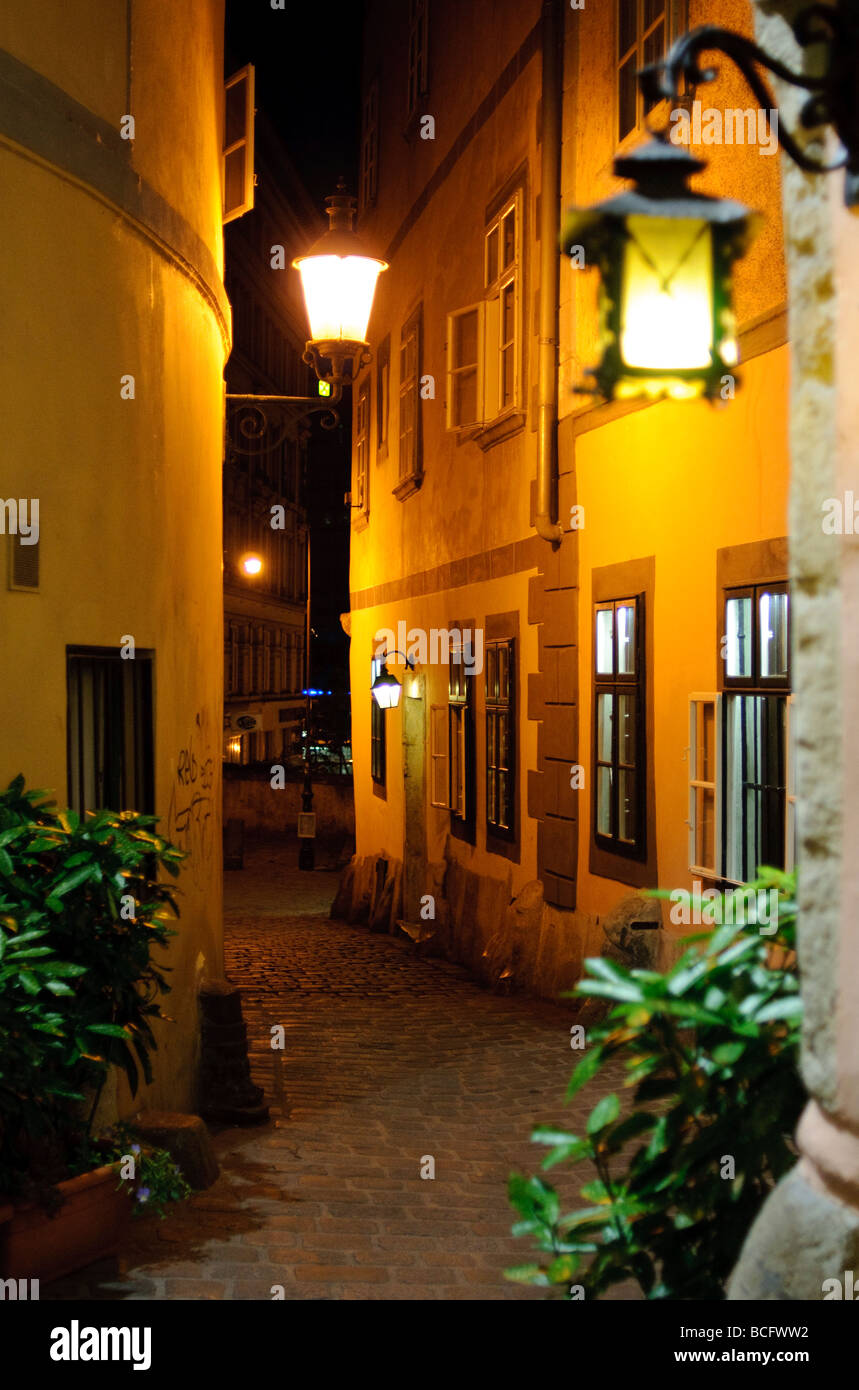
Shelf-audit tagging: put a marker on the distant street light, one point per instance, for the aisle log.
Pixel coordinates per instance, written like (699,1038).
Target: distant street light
(251,564)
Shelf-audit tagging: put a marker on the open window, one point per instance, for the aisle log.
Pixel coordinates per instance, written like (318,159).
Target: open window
(484,340)
(237,160)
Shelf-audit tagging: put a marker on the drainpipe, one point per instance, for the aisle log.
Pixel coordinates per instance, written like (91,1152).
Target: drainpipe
(545,522)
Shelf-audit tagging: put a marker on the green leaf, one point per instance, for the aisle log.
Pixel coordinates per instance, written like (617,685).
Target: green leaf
(789,1009)
(604,1113)
(586,1068)
(727,1053)
(72,881)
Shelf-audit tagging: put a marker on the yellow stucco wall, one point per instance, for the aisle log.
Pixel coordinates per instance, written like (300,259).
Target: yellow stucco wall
(677,482)
(380,821)
(129,490)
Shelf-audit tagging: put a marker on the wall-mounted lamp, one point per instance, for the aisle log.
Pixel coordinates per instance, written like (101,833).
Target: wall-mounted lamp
(665,256)
(665,253)
(386,689)
(338,277)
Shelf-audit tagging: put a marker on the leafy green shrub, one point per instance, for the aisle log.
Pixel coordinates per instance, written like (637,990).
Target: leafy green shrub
(81,912)
(710,1050)
(157,1179)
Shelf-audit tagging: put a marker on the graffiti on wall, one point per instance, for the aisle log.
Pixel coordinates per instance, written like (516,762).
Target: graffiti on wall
(191,819)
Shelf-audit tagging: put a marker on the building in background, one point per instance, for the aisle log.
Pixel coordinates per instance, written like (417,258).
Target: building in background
(111,282)
(264,481)
(609,740)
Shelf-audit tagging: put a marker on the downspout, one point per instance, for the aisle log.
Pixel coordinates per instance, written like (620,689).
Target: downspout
(545,522)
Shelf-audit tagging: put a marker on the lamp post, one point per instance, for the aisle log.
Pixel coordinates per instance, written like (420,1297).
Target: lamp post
(307,819)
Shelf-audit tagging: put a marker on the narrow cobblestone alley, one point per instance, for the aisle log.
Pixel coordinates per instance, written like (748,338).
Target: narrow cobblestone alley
(388,1058)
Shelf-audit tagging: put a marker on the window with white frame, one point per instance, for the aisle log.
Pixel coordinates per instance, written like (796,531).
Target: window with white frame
(484,340)
(370,146)
(620,752)
(418,49)
(742,804)
(645,30)
(410,371)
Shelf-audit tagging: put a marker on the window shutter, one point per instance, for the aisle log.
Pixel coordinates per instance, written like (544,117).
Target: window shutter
(237,162)
(704,781)
(439,756)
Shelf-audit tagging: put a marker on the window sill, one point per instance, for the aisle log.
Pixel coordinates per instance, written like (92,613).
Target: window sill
(407,486)
(361,521)
(502,428)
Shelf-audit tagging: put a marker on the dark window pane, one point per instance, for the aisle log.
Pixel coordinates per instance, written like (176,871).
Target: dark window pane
(627,90)
(773,627)
(605,713)
(604,800)
(627,819)
(626,728)
(627,25)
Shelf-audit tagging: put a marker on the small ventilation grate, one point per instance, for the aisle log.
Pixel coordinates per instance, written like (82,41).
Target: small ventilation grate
(25,564)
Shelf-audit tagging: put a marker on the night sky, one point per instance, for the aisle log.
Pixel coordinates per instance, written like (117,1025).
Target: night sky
(308,83)
(308,73)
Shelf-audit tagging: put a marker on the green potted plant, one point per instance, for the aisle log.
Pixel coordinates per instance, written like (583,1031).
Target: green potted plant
(82,910)
(710,1053)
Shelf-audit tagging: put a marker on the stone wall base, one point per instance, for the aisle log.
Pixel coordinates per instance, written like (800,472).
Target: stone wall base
(512,943)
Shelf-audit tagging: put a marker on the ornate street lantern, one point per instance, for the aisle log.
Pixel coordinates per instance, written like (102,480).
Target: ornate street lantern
(338,276)
(665,255)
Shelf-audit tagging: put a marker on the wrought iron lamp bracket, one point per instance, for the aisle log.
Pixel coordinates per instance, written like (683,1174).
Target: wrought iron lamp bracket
(833,96)
(260,424)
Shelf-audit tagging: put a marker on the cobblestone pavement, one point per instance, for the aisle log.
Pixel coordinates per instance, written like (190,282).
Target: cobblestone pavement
(389,1059)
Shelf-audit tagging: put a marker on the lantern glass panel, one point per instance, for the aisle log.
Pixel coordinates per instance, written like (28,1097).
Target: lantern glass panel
(666,312)
(338,293)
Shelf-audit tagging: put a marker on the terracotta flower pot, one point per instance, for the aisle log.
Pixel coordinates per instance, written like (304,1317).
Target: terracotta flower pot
(90,1225)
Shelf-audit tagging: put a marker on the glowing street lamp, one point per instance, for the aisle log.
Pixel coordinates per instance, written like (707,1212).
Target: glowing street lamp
(386,689)
(665,255)
(338,276)
(251,565)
